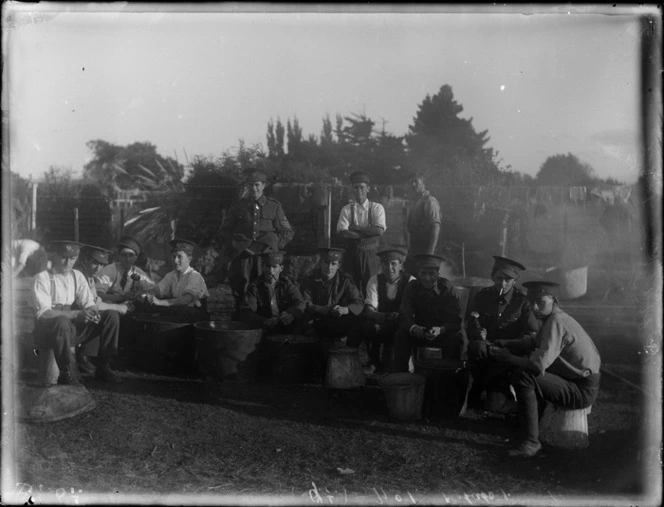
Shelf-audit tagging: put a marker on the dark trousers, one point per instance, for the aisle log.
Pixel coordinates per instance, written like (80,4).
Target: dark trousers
(61,334)
(532,389)
(376,335)
(192,314)
(454,345)
(487,374)
(243,270)
(360,264)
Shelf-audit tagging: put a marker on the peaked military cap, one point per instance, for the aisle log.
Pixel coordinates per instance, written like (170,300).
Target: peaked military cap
(331,254)
(541,288)
(254,175)
(391,254)
(96,253)
(273,258)
(65,248)
(131,243)
(183,245)
(360,177)
(427,261)
(506,266)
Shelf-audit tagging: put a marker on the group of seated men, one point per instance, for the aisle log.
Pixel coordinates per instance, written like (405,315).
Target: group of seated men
(81,301)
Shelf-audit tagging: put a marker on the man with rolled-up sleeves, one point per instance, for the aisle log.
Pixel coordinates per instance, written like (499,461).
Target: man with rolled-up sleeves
(251,225)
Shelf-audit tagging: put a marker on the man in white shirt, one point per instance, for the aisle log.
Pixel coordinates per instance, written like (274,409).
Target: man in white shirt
(382,302)
(28,257)
(361,223)
(67,315)
(122,280)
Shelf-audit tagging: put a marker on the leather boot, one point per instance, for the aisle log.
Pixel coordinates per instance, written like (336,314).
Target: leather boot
(69,376)
(83,363)
(104,372)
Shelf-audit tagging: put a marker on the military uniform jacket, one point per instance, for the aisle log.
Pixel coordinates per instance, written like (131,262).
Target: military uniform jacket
(507,320)
(321,295)
(287,293)
(256,220)
(430,307)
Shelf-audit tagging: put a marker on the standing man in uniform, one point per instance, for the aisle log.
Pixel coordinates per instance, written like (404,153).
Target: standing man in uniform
(56,292)
(274,301)
(562,367)
(253,223)
(423,225)
(361,222)
(500,312)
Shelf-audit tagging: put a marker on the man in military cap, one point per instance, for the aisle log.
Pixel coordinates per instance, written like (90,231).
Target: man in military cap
(423,226)
(250,224)
(500,312)
(562,367)
(382,302)
(332,299)
(429,316)
(274,300)
(56,294)
(90,261)
(361,223)
(122,280)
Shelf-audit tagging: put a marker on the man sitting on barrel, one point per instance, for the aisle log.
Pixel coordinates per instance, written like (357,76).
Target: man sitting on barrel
(332,299)
(274,300)
(429,316)
(182,291)
(384,293)
(563,367)
(90,261)
(499,312)
(67,315)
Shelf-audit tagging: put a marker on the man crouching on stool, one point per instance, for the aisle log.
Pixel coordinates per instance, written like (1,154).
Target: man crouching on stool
(59,326)
(562,369)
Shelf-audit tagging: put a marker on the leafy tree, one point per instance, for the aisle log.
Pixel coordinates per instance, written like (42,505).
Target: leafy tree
(565,170)
(443,144)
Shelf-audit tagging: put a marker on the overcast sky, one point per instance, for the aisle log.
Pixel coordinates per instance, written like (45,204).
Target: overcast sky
(541,84)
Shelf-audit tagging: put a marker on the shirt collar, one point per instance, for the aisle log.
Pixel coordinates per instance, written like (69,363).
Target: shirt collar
(435,287)
(186,271)
(425,194)
(261,200)
(365,204)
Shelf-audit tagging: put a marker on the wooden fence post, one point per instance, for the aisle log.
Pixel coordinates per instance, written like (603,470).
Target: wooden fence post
(76,224)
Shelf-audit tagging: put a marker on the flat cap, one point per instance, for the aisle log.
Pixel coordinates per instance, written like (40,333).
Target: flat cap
(272,258)
(96,253)
(541,288)
(131,243)
(391,254)
(506,266)
(331,254)
(65,248)
(428,261)
(183,245)
(360,177)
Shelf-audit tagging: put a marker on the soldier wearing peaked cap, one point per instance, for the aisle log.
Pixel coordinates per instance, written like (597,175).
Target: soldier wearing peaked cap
(67,315)
(274,300)
(562,367)
(122,281)
(500,312)
(382,302)
(182,291)
(361,223)
(333,302)
(429,316)
(253,221)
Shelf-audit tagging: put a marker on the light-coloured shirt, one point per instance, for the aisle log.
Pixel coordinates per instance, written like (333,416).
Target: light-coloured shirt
(174,285)
(363,215)
(564,348)
(50,289)
(371,298)
(22,249)
(109,277)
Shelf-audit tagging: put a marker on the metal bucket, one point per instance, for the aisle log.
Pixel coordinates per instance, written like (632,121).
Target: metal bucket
(573,281)
(288,358)
(226,348)
(404,394)
(165,344)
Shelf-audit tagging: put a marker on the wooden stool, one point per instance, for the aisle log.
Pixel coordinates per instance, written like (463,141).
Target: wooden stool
(564,428)
(344,370)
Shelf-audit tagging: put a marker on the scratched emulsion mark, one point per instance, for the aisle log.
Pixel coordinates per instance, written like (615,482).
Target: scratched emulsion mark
(26,494)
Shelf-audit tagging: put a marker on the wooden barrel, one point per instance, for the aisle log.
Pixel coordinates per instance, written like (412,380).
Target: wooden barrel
(447,385)
(165,344)
(344,370)
(404,394)
(226,348)
(288,358)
